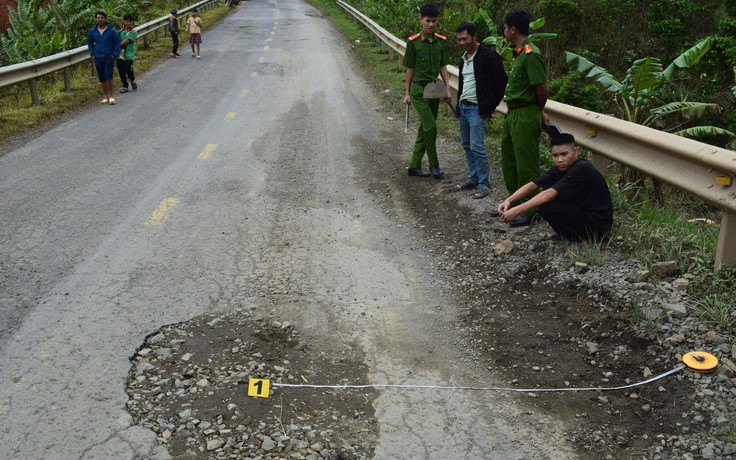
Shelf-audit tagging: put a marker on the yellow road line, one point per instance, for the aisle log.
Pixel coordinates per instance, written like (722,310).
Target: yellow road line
(230,116)
(262,59)
(254,74)
(158,216)
(265,48)
(207,152)
(244,92)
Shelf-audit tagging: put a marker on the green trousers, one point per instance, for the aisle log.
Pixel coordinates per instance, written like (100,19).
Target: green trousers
(522,129)
(426,142)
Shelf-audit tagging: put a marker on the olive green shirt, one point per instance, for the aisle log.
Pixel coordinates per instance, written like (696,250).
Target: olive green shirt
(426,57)
(527,71)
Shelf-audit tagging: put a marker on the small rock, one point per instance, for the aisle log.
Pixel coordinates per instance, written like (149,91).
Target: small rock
(666,269)
(214,444)
(504,247)
(268,444)
(680,284)
(638,276)
(710,337)
(186,356)
(581,267)
(215,322)
(647,372)
(675,309)
(592,347)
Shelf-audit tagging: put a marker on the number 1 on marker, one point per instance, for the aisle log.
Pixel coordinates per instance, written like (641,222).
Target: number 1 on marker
(259,388)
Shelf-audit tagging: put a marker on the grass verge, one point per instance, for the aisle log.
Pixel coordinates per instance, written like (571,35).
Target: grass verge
(19,116)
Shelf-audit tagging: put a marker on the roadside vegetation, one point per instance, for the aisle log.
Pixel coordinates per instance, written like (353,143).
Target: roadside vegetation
(684,229)
(18,115)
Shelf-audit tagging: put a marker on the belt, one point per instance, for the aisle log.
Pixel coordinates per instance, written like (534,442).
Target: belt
(517,104)
(467,102)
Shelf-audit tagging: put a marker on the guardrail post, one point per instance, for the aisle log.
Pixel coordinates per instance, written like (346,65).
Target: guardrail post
(600,162)
(155,35)
(68,79)
(145,41)
(34,91)
(726,252)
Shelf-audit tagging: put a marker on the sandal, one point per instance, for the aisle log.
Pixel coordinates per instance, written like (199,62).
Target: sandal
(467,185)
(482,193)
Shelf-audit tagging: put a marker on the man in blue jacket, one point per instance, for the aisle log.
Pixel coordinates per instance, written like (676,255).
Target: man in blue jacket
(103,43)
(481,88)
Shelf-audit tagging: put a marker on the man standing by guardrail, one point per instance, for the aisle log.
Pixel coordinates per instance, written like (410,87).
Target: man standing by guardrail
(482,81)
(426,56)
(103,43)
(526,96)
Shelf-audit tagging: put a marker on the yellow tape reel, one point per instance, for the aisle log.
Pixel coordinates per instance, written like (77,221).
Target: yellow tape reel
(700,361)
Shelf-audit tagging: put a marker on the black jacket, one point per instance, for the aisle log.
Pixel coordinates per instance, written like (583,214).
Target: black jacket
(490,80)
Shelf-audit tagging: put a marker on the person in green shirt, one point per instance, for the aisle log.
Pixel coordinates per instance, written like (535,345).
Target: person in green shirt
(426,56)
(525,97)
(128,36)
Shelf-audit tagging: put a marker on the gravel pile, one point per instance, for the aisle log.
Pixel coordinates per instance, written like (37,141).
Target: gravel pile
(189,381)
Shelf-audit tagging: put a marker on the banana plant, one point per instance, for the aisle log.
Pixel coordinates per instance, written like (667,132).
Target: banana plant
(503,46)
(637,94)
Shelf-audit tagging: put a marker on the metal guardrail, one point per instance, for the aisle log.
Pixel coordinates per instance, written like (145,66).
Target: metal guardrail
(703,170)
(32,70)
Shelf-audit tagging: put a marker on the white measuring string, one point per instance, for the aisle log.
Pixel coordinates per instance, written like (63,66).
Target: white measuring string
(518,390)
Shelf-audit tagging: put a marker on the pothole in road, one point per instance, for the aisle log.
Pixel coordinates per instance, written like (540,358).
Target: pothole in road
(188,384)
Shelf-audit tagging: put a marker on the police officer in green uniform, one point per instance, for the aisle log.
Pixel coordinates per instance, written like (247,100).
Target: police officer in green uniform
(426,56)
(525,96)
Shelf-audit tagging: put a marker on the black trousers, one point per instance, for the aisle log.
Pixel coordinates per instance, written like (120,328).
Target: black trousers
(175,38)
(125,69)
(572,223)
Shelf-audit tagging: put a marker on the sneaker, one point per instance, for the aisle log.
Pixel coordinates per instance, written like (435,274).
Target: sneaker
(177,54)
(135,85)
(173,55)
(198,56)
(111,101)
(123,90)
(104,101)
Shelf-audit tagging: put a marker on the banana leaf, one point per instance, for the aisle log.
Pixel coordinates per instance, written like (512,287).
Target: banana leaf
(687,109)
(704,131)
(688,59)
(591,70)
(643,76)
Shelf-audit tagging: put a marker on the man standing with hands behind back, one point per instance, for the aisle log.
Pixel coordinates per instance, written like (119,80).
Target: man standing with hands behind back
(481,88)
(426,56)
(526,96)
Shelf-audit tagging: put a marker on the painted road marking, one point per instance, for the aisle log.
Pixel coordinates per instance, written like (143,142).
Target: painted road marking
(262,59)
(207,152)
(253,74)
(230,116)
(265,48)
(244,92)
(158,216)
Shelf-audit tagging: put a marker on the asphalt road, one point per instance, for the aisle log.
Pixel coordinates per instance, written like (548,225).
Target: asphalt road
(234,180)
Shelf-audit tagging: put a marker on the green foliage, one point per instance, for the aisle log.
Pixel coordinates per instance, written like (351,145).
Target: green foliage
(503,46)
(639,93)
(39,28)
(572,89)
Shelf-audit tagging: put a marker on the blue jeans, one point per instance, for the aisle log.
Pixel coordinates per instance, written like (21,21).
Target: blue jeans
(472,138)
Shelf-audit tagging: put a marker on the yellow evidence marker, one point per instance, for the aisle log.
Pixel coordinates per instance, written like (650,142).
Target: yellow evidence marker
(259,388)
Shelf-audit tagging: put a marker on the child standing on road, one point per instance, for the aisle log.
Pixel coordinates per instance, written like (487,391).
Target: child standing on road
(128,36)
(194,27)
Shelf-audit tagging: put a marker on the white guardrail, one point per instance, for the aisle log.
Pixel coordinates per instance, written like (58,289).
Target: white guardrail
(703,170)
(30,71)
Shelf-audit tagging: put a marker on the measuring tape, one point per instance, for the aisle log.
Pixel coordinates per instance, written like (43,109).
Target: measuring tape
(697,361)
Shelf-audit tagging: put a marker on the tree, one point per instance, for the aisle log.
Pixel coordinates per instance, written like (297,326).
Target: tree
(639,99)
